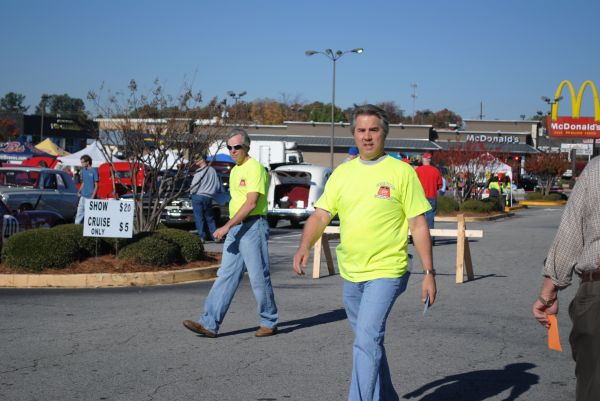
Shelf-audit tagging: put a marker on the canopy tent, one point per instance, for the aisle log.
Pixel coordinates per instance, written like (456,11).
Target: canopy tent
(93,150)
(51,148)
(170,159)
(19,150)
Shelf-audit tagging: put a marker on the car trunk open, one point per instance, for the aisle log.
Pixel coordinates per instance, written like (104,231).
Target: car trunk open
(291,189)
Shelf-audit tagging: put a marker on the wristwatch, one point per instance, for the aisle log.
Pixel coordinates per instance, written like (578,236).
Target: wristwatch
(546,302)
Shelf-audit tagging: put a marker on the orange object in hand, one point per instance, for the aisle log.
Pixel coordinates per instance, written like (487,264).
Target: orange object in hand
(553,338)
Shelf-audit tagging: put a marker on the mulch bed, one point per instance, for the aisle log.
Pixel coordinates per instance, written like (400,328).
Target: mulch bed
(110,264)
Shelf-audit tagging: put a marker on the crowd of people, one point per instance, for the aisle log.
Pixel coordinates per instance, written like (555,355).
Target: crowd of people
(378,198)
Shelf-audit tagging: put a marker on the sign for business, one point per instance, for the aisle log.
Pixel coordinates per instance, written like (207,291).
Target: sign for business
(575,125)
(492,138)
(585,149)
(108,218)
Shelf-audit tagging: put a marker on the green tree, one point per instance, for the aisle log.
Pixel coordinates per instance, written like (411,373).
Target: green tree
(321,113)
(13,102)
(61,105)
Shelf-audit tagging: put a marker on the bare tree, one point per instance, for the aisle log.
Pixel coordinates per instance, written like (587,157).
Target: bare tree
(161,138)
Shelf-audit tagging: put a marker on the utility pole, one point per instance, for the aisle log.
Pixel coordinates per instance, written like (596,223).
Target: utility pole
(414,99)
(481,110)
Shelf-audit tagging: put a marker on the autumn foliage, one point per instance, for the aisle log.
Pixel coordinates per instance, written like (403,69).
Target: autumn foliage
(8,129)
(547,167)
(467,165)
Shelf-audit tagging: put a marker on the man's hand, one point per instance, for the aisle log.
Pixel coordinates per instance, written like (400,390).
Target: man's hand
(541,312)
(428,288)
(300,260)
(220,233)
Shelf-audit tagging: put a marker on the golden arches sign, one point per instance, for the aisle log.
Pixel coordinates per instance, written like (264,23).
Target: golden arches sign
(575,126)
(576,100)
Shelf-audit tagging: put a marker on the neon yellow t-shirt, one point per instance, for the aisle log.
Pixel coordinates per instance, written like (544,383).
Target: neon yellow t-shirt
(249,177)
(374,201)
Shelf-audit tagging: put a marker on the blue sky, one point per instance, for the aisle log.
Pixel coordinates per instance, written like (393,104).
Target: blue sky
(506,54)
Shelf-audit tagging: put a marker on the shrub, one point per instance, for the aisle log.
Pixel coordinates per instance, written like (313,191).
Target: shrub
(534,196)
(88,246)
(473,205)
(189,244)
(554,196)
(446,204)
(37,249)
(151,249)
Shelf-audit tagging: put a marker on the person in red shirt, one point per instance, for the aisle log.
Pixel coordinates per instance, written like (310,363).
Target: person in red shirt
(431,180)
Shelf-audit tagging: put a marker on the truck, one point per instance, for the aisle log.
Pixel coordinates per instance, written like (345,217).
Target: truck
(269,153)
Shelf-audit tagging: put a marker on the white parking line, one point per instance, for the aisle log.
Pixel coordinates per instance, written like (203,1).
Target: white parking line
(285,236)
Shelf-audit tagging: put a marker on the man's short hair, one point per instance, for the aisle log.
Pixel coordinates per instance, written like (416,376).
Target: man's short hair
(371,110)
(243,133)
(86,158)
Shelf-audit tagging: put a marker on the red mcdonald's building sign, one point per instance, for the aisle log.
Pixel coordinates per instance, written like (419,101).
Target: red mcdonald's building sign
(575,126)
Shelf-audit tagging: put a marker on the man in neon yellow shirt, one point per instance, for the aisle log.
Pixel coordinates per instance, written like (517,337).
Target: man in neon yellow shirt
(377,198)
(246,245)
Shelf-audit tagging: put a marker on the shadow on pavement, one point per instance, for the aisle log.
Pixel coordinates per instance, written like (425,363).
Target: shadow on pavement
(479,385)
(298,324)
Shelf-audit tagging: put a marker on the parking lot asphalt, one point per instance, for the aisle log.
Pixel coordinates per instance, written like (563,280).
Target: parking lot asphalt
(478,342)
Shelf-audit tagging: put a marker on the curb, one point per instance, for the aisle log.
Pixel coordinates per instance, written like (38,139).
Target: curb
(543,203)
(472,219)
(517,207)
(106,280)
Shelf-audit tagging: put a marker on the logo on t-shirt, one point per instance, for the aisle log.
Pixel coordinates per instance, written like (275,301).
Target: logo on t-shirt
(384,192)
(242,182)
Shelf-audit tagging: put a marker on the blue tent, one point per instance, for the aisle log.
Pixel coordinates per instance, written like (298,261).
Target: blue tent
(19,150)
(222,157)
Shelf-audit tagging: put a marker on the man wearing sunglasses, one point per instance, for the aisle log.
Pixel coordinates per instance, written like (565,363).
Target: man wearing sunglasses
(245,247)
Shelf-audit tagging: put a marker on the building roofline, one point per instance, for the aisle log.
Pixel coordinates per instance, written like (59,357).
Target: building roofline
(502,121)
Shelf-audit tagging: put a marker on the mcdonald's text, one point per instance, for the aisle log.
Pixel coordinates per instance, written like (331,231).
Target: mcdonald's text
(585,127)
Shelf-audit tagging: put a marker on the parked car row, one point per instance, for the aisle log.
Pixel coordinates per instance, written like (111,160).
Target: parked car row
(38,196)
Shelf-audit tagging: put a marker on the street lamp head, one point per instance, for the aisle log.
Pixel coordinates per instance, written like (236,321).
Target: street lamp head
(558,99)
(231,93)
(358,50)
(310,52)
(329,52)
(242,93)
(545,99)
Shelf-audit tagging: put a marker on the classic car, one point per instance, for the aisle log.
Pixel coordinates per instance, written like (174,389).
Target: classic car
(14,221)
(293,191)
(119,182)
(35,188)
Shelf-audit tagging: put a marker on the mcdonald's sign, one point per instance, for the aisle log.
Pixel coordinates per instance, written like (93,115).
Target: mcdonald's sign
(575,126)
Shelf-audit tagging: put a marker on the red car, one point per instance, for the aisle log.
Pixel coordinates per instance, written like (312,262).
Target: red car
(122,182)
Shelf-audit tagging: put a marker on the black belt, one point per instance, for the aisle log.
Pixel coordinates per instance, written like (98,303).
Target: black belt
(250,219)
(590,275)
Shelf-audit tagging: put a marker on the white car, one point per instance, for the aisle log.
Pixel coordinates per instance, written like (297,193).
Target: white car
(293,191)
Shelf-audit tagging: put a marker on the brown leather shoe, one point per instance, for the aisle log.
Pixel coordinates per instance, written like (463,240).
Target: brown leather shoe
(265,332)
(198,328)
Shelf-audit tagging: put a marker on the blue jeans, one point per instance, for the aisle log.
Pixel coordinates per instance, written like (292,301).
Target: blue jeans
(368,305)
(245,249)
(80,211)
(430,215)
(203,212)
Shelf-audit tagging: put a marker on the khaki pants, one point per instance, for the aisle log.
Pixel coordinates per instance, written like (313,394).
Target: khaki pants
(584,311)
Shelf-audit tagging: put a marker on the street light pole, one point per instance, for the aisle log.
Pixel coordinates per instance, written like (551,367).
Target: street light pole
(333,57)
(236,97)
(551,103)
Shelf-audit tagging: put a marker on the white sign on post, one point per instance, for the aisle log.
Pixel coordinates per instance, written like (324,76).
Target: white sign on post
(108,218)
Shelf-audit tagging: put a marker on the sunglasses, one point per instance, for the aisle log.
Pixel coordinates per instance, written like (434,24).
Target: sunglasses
(236,147)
